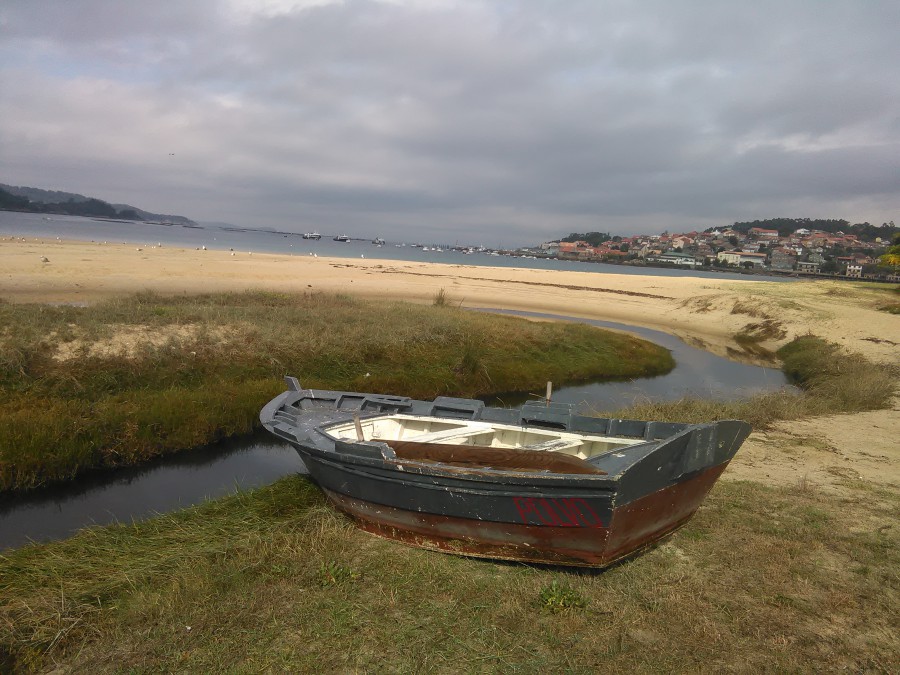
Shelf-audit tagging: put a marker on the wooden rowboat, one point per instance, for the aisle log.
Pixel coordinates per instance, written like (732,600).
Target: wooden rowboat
(539,484)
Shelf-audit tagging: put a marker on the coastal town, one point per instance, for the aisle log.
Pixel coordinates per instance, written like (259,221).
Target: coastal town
(803,251)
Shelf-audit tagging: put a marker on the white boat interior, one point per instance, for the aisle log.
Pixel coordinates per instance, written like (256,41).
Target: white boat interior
(401,427)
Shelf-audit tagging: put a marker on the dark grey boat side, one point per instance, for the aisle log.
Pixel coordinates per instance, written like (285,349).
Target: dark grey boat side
(522,503)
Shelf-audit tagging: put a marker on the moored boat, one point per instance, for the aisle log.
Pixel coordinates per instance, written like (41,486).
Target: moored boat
(539,484)
(312,235)
(342,237)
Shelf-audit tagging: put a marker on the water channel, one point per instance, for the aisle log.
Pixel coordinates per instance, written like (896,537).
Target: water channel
(191,477)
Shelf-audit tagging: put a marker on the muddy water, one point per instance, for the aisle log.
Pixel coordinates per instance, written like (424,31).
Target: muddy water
(136,493)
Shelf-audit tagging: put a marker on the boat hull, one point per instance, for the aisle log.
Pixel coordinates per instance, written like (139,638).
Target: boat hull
(553,530)
(498,502)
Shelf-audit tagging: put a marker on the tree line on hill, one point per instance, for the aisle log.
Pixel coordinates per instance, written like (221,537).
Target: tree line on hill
(786,226)
(592,238)
(91,207)
(36,200)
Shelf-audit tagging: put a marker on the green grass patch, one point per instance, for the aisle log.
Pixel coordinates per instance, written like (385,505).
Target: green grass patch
(761,579)
(134,378)
(559,596)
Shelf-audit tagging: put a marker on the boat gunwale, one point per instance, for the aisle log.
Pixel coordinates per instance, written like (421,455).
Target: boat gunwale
(317,440)
(289,402)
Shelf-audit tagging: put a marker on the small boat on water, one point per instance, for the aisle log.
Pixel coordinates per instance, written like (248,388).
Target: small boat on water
(539,484)
(342,237)
(312,235)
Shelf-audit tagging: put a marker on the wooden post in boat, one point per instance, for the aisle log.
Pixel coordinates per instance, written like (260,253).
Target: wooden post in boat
(359,431)
(549,391)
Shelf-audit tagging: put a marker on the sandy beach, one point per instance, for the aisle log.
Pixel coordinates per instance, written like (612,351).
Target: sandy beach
(706,313)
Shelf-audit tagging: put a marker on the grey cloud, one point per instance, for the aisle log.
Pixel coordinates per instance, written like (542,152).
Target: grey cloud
(104,22)
(519,119)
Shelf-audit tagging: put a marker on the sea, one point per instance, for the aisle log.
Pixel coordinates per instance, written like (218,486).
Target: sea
(228,237)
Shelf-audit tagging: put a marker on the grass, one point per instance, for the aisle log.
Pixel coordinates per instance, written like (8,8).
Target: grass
(441,299)
(832,381)
(130,379)
(891,306)
(560,596)
(761,579)
(768,329)
(750,309)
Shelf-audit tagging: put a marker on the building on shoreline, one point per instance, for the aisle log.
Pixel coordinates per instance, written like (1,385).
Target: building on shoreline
(803,251)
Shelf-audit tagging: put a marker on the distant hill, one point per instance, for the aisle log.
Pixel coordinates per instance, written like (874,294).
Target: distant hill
(37,200)
(786,226)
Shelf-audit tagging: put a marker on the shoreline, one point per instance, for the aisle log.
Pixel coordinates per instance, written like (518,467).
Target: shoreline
(705,313)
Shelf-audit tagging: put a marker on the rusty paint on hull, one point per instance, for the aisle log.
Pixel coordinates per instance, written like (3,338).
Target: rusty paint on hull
(652,516)
(633,527)
(505,501)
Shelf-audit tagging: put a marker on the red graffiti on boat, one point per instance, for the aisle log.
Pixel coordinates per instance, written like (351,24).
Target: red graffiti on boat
(562,512)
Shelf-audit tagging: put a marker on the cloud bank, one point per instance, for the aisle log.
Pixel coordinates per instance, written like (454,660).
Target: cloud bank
(480,122)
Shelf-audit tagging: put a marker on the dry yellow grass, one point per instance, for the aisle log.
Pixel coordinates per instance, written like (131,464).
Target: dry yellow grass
(762,579)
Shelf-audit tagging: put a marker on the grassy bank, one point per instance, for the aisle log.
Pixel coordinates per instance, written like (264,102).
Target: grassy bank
(761,579)
(831,381)
(129,379)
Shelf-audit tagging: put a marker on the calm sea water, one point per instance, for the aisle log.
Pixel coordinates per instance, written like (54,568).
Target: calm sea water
(31,225)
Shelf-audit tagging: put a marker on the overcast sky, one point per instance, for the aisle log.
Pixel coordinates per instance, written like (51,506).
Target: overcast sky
(482,122)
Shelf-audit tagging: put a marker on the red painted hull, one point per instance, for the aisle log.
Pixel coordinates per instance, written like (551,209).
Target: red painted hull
(632,527)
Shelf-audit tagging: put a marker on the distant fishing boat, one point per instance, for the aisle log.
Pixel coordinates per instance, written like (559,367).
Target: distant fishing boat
(539,484)
(342,237)
(378,241)
(312,235)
